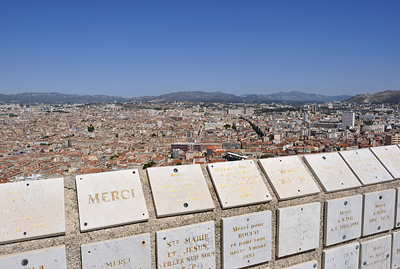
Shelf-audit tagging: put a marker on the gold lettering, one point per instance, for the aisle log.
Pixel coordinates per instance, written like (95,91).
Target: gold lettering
(104,196)
(122,194)
(93,200)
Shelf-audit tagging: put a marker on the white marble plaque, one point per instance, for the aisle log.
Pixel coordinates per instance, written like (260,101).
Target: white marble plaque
(398,209)
(379,210)
(366,166)
(129,252)
(31,209)
(38,259)
(344,257)
(289,177)
(343,219)
(390,158)
(246,240)
(190,246)
(305,265)
(396,250)
(238,183)
(298,229)
(332,171)
(110,199)
(179,189)
(376,253)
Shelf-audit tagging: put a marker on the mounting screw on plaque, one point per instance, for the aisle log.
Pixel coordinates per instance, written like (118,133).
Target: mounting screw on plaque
(365,263)
(24,262)
(176,170)
(314,265)
(185,205)
(379,227)
(356,247)
(398,223)
(345,202)
(387,255)
(344,236)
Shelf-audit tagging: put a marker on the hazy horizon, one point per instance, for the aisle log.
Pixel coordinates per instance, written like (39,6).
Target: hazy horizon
(132,48)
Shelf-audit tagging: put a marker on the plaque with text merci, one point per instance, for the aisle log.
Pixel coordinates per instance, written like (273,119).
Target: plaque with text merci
(376,253)
(110,199)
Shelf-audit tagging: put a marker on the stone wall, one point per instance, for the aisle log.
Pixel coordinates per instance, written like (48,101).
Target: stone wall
(302,218)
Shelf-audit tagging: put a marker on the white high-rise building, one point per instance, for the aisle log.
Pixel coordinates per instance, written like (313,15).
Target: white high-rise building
(348,119)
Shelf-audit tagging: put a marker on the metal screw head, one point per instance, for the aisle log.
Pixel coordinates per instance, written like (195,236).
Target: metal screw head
(314,265)
(356,247)
(398,223)
(185,205)
(344,236)
(345,202)
(387,255)
(24,262)
(379,227)
(365,263)
(175,170)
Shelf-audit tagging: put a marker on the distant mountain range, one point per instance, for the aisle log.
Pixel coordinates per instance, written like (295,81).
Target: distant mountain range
(194,96)
(377,98)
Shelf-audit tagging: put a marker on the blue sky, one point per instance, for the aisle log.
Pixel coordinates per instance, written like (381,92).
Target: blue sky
(136,48)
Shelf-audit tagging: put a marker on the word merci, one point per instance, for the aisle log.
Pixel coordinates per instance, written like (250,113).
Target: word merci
(192,245)
(249,240)
(111,196)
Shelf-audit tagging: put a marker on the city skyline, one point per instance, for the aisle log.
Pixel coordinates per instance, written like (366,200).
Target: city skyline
(132,49)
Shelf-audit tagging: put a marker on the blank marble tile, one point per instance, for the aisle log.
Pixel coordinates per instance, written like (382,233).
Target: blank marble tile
(179,190)
(376,253)
(366,166)
(238,184)
(31,209)
(332,171)
(191,246)
(289,177)
(379,210)
(298,229)
(397,225)
(396,250)
(390,157)
(43,258)
(346,256)
(343,219)
(110,199)
(306,265)
(128,252)
(246,240)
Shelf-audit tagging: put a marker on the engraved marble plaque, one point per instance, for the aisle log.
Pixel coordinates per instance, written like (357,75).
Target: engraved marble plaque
(305,265)
(110,199)
(397,225)
(128,252)
(376,253)
(289,177)
(238,183)
(396,250)
(343,219)
(44,258)
(298,228)
(179,189)
(190,246)
(332,171)
(366,166)
(346,256)
(31,209)
(246,240)
(390,157)
(379,210)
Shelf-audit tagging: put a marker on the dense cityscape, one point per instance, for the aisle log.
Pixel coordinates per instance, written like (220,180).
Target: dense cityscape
(43,141)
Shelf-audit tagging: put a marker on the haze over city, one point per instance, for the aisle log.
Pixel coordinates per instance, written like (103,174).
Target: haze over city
(132,48)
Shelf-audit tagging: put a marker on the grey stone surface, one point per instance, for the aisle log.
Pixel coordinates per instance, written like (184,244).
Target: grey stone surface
(346,257)
(129,252)
(246,240)
(41,259)
(288,177)
(379,208)
(343,219)
(31,209)
(390,158)
(298,228)
(376,253)
(179,189)
(366,166)
(191,246)
(305,265)
(110,199)
(238,183)
(397,223)
(332,172)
